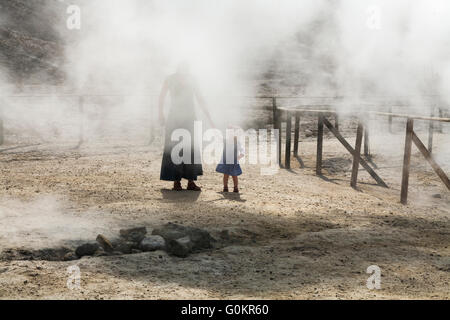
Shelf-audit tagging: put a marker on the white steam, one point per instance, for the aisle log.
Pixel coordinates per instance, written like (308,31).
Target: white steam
(46,223)
(352,48)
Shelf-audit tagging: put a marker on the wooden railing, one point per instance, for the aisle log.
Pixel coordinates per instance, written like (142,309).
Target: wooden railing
(289,114)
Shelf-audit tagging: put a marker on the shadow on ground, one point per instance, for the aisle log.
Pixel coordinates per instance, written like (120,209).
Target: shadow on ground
(180,196)
(277,256)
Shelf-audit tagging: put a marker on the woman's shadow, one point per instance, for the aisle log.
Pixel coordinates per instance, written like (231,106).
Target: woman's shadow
(180,196)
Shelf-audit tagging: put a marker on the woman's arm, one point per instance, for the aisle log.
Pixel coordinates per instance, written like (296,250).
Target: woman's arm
(202,104)
(162,99)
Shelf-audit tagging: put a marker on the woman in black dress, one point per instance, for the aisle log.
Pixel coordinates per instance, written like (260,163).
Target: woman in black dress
(183,91)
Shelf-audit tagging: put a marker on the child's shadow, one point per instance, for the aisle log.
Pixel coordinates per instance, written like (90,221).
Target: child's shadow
(180,196)
(232,196)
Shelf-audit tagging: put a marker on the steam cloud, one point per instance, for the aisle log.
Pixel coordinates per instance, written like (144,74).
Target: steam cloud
(45,223)
(352,48)
(236,49)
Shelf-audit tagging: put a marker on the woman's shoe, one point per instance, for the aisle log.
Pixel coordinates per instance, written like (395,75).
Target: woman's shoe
(236,190)
(225,189)
(177,186)
(193,187)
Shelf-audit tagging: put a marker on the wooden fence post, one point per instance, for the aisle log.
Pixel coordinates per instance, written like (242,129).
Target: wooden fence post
(429,157)
(366,141)
(277,126)
(319,145)
(441,115)
(336,121)
(296,133)
(357,155)
(352,151)
(287,160)
(430,131)
(407,160)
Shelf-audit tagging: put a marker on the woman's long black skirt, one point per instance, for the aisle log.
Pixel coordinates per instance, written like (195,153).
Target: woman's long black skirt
(175,172)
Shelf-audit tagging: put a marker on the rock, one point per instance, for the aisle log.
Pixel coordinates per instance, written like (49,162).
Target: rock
(180,247)
(101,254)
(125,247)
(225,234)
(47,254)
(152,243)
(308,133)
(134,234)
(437,196)
(105,243)
(51,254)
(70,256)
(134,251)
(87,249)
(200,239)
(171,231)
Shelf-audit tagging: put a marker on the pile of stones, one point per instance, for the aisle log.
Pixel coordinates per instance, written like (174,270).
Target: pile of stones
(176,240)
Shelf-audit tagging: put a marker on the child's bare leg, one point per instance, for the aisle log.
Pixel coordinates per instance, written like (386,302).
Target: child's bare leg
(236,183)
(225,182)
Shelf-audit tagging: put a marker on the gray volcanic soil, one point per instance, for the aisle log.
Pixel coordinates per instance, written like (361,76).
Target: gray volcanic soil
(294,235)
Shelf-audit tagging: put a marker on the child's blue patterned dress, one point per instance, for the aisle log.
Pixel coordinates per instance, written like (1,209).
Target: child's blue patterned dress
(231,167)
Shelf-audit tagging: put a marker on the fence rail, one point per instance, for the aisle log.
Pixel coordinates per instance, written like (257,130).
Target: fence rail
(288,114)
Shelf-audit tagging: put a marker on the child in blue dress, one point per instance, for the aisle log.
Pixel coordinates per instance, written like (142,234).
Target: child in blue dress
(229,166)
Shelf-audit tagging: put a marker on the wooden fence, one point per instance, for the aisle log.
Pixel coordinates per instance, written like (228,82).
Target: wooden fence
(289,114)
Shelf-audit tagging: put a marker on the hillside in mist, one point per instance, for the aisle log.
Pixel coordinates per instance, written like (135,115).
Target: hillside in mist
(33,41)
(31,49)
(308,48)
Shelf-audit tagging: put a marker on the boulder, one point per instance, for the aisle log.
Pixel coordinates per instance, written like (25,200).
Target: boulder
(70,256)
(180,247)
(105,243)
(101,253)
(152,243)
(201,239)
(225,235)
(171,231)
(125,247)
(87,249)
(51,254)
(134,234)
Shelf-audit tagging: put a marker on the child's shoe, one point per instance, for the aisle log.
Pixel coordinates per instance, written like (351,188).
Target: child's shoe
(225,189)
(236,190)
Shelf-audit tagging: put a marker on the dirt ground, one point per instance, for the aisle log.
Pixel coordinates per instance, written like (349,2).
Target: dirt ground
(297,235)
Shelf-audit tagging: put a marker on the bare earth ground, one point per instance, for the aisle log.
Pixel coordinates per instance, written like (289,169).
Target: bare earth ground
(297,236)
